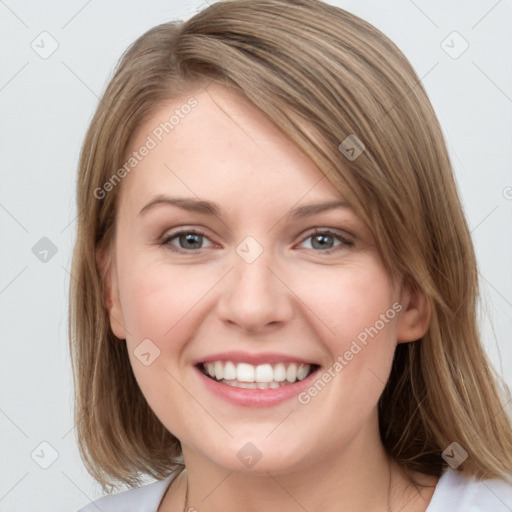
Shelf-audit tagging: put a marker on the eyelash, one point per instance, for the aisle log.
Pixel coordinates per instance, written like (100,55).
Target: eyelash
(344,241)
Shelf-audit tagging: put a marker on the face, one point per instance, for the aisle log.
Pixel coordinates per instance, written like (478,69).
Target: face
(258,315)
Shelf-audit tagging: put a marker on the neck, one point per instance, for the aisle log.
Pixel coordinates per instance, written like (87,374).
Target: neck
(360,482)
(356,479)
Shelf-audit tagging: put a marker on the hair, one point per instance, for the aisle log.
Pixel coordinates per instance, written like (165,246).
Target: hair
(320,74)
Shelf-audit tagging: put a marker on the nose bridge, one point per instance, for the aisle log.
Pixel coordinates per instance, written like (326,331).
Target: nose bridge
(253,296)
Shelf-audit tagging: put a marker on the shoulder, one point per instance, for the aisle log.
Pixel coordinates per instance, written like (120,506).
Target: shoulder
(456,492)
(141,499)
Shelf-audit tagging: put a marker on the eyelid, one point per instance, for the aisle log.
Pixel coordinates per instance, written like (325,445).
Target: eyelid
(345,238)
(169,235)
(189,228)
(341,234)
(334,231)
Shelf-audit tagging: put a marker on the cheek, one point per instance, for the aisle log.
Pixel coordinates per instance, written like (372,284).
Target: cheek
(350,302)
(162,304)
(361,344)
(358,315)
(159,301)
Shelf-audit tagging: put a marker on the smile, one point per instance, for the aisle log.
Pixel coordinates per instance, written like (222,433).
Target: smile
(262,376)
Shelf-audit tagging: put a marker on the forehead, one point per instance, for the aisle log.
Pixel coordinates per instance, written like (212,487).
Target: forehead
(214,143)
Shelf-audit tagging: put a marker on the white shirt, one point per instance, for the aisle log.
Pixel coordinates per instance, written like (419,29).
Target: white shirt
(454,493)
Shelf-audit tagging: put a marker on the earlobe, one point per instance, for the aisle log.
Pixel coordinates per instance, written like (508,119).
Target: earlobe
(108,274)
(415,316)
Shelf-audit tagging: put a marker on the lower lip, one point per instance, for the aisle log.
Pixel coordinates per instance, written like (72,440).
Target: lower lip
(255,397)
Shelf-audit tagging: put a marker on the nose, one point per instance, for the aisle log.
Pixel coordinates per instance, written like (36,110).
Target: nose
(254,296)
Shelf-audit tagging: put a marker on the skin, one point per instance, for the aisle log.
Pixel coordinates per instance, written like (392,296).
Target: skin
(293,299)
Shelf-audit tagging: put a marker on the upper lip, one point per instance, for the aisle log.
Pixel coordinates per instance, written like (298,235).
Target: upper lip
(254,359)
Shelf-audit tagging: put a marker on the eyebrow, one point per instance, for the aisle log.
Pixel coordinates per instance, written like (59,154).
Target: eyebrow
(210,208)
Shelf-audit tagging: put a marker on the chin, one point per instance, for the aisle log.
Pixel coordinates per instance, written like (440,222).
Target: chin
(259,457)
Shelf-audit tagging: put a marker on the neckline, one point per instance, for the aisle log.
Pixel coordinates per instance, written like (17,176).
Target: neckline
(165,486)
(448,480)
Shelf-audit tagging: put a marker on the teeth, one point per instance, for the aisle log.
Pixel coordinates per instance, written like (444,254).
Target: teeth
(264,373)
(291,373)
(279,372)
(247,385)
(263,376)
(219,370)
(303,371)
(245,372)
(229,371)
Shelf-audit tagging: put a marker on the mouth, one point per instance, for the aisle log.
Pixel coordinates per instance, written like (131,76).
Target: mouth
(262,376)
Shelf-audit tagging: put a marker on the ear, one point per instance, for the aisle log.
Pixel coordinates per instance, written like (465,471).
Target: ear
(107,268)
(415,315)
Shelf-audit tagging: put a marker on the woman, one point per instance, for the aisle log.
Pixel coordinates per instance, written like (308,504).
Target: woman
(274,302)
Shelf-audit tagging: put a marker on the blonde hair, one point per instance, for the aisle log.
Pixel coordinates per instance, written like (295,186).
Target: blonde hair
(321,74)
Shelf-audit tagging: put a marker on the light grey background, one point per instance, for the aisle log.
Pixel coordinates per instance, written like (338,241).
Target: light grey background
(46,104)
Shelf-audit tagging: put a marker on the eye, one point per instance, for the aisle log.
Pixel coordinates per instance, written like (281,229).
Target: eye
(324,241)
(185,241)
